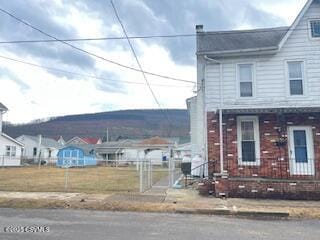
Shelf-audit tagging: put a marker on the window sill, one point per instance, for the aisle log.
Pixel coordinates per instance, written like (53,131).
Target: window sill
(249,164)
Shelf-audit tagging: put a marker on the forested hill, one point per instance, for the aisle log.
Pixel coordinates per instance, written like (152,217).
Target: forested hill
(121,124)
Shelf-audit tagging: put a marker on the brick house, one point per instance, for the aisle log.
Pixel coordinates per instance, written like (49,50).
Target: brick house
(260,96)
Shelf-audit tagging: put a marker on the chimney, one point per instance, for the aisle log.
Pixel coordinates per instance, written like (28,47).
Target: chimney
(199,28)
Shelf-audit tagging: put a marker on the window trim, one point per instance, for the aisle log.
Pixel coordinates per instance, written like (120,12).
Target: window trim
(255,120)
(9,150)
(310,29)
(304,86)
(253,79)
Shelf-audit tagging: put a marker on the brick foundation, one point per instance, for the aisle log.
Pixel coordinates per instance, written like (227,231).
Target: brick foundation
(276,189)
(274,162)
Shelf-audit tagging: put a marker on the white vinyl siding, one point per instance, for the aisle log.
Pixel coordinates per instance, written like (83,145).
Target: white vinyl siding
(271,85)
(295,75)
(248,140)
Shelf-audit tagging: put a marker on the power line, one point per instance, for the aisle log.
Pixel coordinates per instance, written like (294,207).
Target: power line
(150,36)
(134,53)
(83,75)
(90,53)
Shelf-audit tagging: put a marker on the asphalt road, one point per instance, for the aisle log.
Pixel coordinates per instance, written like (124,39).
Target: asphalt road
(94,225)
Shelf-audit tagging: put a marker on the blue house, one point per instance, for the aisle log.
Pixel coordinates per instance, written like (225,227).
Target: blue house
(76,156)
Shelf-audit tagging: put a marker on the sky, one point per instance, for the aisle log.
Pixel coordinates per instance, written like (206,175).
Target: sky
(37,93)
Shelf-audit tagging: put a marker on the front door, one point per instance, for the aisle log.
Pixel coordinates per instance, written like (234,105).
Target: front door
(301,150)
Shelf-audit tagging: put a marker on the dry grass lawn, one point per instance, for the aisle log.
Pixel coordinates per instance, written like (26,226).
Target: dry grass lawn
(86,180)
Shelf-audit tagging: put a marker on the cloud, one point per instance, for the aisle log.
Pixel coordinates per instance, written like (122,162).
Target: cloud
(114,84)
(147,17)
(6,73)
(57,93)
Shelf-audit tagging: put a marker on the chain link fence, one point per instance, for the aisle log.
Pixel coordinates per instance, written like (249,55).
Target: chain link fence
(130,176)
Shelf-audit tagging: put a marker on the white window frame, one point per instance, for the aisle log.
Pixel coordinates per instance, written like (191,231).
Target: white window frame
(11,151)
(253,79)
(255,120)
(310,29)
(304,86)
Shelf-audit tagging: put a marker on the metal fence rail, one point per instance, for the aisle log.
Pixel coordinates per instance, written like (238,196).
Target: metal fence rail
(43,174)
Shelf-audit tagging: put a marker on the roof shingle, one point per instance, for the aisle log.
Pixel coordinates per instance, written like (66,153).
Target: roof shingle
(228,41)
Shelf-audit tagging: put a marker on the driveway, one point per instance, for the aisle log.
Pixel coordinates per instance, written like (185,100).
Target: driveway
(84,225)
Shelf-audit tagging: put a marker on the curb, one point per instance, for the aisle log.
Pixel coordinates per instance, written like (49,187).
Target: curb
(227,212)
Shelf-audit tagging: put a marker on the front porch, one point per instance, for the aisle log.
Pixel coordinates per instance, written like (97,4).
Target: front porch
(266,152)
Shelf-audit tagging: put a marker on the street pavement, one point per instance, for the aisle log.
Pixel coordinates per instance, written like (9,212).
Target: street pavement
(95,225)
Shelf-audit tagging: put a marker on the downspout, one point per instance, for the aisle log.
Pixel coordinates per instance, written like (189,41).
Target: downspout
(220,112)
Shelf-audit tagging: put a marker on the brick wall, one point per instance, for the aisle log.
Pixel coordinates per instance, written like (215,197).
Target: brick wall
(304,189)
(274,161)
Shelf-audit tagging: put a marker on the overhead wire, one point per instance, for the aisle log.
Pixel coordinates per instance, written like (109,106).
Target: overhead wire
(91,53)
(83,75)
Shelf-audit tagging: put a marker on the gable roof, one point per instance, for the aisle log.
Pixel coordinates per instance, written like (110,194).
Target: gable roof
(85,140)
(233,41)
(11,139)
(296,22)
(47,142)
(91,140)
(265,40)
(3,108)
(88,149)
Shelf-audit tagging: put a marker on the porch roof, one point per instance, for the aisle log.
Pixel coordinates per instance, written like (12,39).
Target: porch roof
(272,110)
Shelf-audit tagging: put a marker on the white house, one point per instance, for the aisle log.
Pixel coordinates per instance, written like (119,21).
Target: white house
(10,149)
(258,100)
(35,146)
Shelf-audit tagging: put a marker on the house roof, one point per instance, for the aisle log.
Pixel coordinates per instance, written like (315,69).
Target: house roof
(155,141)
(11,139)
(233,41)
(3,108)
(91,140)
(47,142)
(85,140)
(88,149)
(265,40)
(296,21)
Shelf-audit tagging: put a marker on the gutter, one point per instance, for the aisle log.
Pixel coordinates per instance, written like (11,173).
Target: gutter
(270,50)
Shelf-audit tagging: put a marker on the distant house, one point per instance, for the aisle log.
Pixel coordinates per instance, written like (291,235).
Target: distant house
(155,149)
(60,140)
(181,151)
(38,146)
(10,149)
(76,156)
(84,140)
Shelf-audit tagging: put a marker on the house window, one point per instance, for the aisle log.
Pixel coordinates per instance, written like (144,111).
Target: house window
(35,151)
(295,72)
(315,28)
(8,149)
(245,72)
(11,151)
(248,140)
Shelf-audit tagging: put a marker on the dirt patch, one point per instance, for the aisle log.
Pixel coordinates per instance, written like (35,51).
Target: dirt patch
(137,198)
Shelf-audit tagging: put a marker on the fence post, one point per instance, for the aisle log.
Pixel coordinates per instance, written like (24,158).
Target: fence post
(66,176)
(149,173)
(170,170)
(141,175)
